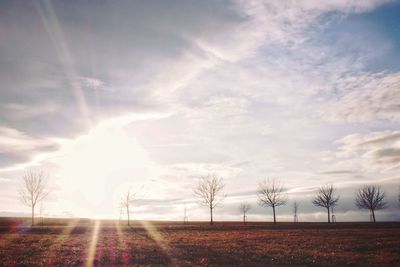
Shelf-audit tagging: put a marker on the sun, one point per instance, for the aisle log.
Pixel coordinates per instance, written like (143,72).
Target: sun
(94,167)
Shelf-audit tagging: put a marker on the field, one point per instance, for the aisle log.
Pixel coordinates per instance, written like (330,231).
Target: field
(111,243)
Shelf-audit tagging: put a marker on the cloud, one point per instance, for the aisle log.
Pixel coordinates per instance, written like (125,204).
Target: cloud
(388,157)
(18,147)
(13,140)
(336,172)
(91,83)
(24,112)
(4,180)
(367,97)
(376,150)
(78,54)
(142,66)
(245,89)
(285,20)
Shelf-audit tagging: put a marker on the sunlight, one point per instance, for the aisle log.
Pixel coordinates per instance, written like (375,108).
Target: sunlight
(152,231)
(93,244)
(54,30)
(94,167)
(122,243)
(61,240)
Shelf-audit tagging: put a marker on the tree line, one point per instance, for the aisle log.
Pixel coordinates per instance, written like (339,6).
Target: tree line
(210,193)
(272,194)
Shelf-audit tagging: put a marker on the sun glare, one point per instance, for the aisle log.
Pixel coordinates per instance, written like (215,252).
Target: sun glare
(95,166)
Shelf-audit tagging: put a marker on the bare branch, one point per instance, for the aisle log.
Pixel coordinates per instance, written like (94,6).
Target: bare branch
(370,197)
(128,199)
(271,194)
(209,192)
(33,189)
(326,198)
(244,207)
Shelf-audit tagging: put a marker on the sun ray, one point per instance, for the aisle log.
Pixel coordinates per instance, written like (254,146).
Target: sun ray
(61,239)
(151,229)
(55,32)
(126,257)
(93,244)
(119,230)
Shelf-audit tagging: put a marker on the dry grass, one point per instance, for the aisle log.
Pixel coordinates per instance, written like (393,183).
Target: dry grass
(68,243)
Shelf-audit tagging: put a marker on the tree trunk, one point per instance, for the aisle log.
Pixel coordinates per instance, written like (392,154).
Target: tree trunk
(244,217)
(211,216)
(329,216)
(373,215)
(33,215)
(127,211)
(273,209)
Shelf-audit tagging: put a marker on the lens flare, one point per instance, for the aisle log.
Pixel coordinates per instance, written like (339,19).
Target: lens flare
(93,244)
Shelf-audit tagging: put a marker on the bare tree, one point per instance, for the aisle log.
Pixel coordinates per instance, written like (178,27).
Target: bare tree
(271,194)
(244,207)
(33,190)
(326,198)
(370,197)
(128,199)
(296,206)
(209,193)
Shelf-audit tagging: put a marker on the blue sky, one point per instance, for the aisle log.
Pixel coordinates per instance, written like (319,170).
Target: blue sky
(377,30)
(105,96)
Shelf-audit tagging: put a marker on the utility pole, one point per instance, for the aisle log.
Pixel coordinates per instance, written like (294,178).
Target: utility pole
(295,210)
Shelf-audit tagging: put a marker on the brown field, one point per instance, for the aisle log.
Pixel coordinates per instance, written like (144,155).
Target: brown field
(110,243)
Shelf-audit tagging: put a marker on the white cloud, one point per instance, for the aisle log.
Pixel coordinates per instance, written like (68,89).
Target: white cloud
(365,98)
(241,89)
(4,180)
(377,151)
(92,83)
(24,112)
(15,141)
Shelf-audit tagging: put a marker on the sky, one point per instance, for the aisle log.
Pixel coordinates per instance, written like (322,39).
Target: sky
(150,96)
